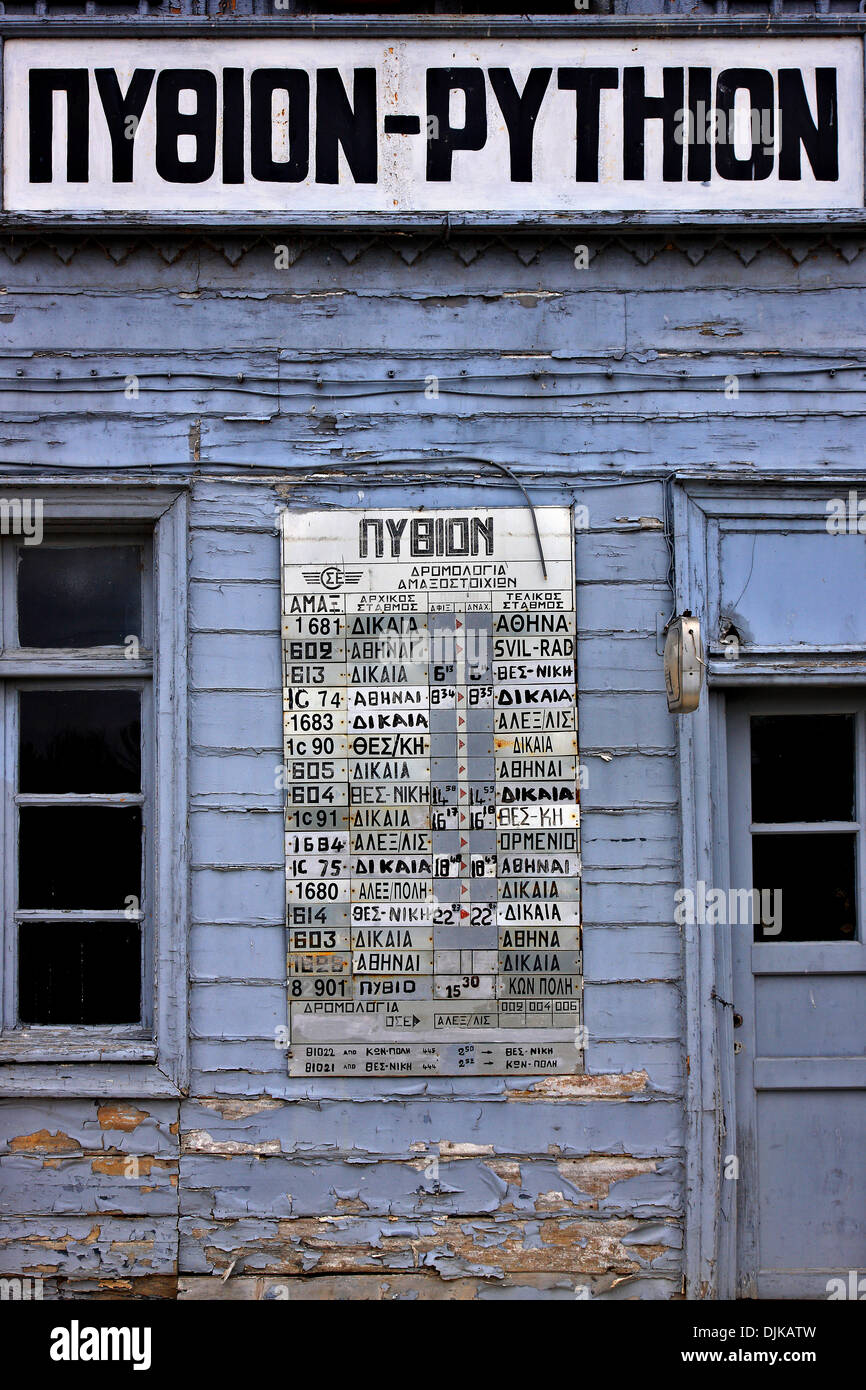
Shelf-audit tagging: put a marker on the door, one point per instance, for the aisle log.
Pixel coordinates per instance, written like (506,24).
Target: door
(797,804)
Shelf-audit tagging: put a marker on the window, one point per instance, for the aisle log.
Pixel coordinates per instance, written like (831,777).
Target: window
(81,939)
(805,831)
(807,834)
(93,716)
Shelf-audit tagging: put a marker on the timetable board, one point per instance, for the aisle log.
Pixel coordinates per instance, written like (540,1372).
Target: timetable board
(432,826)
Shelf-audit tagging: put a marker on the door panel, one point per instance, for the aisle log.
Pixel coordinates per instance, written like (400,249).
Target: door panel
(812,1179)
(809,1015)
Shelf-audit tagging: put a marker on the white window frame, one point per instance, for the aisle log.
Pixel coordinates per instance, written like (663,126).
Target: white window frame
(149,1059)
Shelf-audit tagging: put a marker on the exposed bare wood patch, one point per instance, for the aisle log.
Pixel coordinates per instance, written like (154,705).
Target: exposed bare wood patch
(145,1286)
(43,1141)
(616,1086)
(199,1141)
(120,1116)
(454,1247)
(452,1149)
(350,1206)
(137,1249)
(118,1165)
(239,1109)
(507,1170)
(367,1288)
(62,1242)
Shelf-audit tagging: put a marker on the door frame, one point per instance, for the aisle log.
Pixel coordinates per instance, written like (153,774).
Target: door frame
(817,957)
(697,505)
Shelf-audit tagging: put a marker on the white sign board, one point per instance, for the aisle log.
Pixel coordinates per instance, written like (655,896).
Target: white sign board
(432,803)
(321,125)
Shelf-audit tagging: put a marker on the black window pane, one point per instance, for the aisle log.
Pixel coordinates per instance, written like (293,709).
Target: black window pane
(815,875)
(79,857)
(78,596)
(802,767)
(80,741)
(79,972)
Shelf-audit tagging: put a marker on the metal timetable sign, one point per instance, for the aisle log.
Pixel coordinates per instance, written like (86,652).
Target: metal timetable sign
(432,806)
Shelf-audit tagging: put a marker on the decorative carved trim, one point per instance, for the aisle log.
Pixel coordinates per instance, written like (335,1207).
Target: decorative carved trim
(693,246)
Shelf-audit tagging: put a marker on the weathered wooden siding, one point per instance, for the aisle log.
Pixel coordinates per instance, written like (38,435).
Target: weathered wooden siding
(622,365)
(305,387)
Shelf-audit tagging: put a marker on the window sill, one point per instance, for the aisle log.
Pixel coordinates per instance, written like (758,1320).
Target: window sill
(96,1066)
(30,1047)
(97,1080)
